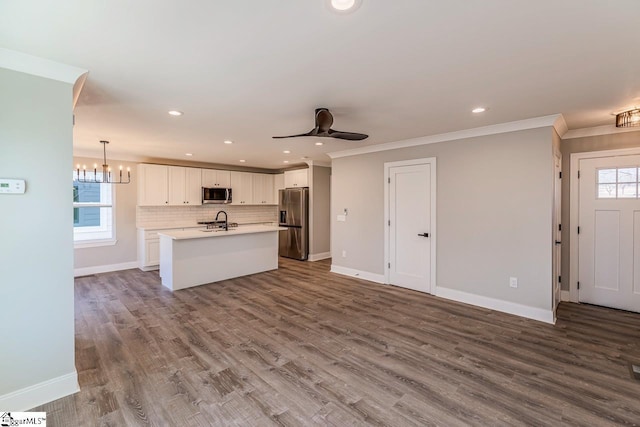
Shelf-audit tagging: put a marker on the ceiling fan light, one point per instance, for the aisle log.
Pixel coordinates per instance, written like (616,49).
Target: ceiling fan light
(628,118)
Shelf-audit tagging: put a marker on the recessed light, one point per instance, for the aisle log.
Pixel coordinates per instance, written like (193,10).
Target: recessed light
(176,113)
(344,6)
(286,151)
(242,160)
(319,143)
(188,154)
(286,161)
(479,110)
(228,141)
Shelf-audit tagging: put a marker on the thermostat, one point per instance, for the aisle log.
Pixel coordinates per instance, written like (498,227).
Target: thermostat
(12,186)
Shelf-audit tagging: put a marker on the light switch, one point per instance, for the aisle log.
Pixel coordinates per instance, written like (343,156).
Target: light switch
(342,218)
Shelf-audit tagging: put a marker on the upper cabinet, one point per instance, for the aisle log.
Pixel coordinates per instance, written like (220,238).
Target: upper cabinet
(296,178)
(263,193)
(184,186)
(160,185)
(242,186)
(216,178)
(153,187)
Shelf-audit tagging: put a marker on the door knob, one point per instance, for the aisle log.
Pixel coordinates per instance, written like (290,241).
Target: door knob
(424,235)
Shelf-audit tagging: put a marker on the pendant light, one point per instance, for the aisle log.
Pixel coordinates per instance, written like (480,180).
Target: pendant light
(106,171)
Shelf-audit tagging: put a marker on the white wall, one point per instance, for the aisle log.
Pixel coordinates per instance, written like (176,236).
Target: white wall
(36,242)
(321,199)
(494,204)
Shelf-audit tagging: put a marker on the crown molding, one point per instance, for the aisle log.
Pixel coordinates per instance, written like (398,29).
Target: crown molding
(29,64)
(312,163)
(598,131)
(555,120)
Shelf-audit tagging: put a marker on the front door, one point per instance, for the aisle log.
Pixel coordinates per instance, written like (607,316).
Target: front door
(609,235)
(409,226)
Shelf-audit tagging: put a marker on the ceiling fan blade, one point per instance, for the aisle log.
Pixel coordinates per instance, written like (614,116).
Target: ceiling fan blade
(310,133)
(350,136)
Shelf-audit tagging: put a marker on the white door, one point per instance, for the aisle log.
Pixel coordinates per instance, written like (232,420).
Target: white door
(409,227)
(557,231)
(609,239)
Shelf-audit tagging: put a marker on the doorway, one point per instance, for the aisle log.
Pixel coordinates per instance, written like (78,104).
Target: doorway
(608,233)
(410,237)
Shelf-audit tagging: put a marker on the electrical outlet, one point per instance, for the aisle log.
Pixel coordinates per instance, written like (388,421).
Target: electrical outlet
(344,253)
(513,282)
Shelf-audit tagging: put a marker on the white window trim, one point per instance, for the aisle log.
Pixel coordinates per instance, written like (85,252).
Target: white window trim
(94,243)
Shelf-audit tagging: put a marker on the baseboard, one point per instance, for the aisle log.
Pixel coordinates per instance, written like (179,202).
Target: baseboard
(372,277)
(86,271)
(320,256)
(565,296)
(534,313)
(39,394)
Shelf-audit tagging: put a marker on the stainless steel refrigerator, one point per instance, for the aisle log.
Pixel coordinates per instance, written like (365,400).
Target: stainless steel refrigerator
(294,215)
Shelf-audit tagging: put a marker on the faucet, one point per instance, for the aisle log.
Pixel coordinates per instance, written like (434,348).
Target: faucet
(226,223)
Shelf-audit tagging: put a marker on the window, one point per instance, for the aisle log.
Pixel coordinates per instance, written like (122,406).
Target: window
(618,183)
(93,219)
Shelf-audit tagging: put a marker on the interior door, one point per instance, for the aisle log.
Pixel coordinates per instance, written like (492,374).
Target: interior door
(609,236)
(557,232)
(409,228)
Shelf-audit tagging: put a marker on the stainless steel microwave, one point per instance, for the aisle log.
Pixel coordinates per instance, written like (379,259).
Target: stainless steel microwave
(216,195)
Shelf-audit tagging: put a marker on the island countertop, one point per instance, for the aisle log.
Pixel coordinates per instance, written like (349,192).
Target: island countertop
(202,233)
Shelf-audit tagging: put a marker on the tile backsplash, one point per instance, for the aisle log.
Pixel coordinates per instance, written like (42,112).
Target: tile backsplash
(151,216)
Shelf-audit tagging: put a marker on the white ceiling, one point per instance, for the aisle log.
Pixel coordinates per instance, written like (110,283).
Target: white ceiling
(249,69)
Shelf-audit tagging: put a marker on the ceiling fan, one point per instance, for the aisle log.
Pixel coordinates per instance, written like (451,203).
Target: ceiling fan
(324,120)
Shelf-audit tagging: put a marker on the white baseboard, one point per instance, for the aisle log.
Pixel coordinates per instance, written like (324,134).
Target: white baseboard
(320,256)
(39,394)
(87,271)
(372,277)
(534,313)
(565,296)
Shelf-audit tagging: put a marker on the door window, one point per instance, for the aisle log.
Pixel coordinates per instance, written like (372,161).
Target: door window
(618,183)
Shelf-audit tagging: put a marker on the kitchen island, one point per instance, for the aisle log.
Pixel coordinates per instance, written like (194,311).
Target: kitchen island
(195,256)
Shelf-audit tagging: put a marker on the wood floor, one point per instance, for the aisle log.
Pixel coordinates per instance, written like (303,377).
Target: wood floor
(302,346)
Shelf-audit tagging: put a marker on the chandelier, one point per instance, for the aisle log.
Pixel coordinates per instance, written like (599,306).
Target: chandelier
(106,171)
(628,118)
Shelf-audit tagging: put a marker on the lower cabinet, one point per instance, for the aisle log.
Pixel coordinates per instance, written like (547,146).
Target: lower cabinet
(149,247)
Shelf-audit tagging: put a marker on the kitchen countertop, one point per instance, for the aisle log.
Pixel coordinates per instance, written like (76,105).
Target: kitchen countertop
(186,225)
(200,233)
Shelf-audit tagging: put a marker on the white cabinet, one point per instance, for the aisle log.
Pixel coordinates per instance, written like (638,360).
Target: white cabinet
(160,185)
(184,186)
(242,187)
(152,185)
(149,248)
(216,178)
(296,178)
(263,193)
